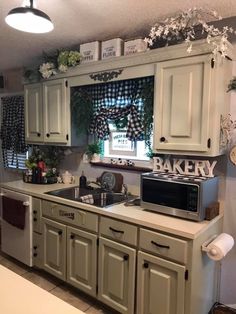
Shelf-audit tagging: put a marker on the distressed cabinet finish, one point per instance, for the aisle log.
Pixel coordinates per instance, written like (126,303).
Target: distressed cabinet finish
(33,113)
(116,275)
(54,244)
(160,286)
(82,260)
(46,112)
(55,111)
(190,98)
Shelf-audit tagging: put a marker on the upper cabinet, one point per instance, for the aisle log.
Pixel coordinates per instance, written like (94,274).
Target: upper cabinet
(33,113)
(46,112)
(190,101)
(55,109)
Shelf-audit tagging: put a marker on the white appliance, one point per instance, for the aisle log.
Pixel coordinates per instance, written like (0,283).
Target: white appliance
(17,242)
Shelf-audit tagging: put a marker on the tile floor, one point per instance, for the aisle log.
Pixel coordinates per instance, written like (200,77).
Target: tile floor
(55,286)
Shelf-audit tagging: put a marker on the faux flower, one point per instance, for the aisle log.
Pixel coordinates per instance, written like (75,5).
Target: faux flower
(73,58)
(186,25)
(47,69)
(63,68)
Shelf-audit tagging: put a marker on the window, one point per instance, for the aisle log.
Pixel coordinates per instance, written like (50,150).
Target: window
(121,115)
(14,149)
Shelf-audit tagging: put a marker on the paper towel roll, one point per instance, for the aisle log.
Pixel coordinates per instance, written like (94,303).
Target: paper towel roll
(220,246)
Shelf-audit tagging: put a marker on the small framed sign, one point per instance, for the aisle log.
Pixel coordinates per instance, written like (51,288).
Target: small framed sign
(120,145)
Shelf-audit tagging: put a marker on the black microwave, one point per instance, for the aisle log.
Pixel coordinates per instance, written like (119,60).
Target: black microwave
(178,195)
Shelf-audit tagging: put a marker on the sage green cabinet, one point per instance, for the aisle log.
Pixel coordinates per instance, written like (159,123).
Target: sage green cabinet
(160,286)
(54,247)
(47,112)
(116,275)
(190,101)
(82,260)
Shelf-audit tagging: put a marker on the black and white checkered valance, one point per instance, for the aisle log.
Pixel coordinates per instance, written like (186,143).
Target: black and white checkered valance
(114,100)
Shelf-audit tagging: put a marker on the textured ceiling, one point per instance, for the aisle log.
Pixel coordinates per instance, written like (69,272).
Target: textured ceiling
(79,21)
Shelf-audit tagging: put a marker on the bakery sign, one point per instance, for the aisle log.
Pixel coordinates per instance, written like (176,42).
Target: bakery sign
(203,168)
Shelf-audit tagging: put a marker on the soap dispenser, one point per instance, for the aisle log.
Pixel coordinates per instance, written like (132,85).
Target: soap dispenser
(82,181)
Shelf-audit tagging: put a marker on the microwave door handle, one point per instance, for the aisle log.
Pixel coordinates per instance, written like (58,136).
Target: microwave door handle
(160,245)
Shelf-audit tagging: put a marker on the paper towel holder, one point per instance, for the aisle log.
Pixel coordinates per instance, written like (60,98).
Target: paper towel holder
(206,243)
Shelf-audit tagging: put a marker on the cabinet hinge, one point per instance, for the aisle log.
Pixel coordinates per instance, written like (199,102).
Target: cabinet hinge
(67,137)
(212,63)
(97,241)
(96,289)
(66,83)
(209,143)
(186,275)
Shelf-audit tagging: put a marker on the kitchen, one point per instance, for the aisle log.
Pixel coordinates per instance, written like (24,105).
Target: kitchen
(132,179)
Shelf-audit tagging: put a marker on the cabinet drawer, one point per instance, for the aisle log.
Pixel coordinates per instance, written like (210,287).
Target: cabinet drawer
(37,214)
(164,245)
(118,230)
(70,215)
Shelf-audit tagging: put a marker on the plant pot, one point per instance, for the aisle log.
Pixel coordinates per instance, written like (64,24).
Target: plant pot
(95,158)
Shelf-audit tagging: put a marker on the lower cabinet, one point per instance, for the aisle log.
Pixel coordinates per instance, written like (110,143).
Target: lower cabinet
(82,260)
(54,243)
(116,275)
(160,286)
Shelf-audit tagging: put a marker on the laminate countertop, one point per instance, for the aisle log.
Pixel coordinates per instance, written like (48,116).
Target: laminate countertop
(18,295)
(135,214)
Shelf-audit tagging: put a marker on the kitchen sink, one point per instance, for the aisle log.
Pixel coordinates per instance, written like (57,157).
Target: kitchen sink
(94,196)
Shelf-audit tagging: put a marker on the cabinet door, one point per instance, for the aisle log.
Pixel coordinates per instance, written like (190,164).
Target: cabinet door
(182,100)
(116,275)
(55,111)
(160,287)
(33,113)
(82,260)
(54,243)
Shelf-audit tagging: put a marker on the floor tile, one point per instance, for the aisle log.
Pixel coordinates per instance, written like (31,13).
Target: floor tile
(42,279)
(15,266)
(72,297)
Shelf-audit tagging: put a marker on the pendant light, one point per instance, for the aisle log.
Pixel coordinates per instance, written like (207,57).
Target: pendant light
(28,19)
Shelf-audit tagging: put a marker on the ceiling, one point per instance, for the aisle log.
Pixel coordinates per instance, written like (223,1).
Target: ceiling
(80,21)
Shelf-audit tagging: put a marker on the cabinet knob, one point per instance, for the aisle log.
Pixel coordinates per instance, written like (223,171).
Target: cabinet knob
(35,219)
(35,211)
(48,135)
(60,232)
(162,139)
(38,134)
(35,254)
(72,236)
(145,265)
(35,247)
(126,257)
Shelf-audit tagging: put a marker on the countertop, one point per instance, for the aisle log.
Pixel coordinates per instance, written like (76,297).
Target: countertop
(20,296)
(134,214)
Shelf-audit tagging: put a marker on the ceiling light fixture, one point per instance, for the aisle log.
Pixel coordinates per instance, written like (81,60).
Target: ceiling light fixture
(28,19)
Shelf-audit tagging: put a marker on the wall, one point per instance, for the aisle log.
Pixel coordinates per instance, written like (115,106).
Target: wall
(228,273)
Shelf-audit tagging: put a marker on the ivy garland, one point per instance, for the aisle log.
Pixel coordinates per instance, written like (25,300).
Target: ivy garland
(82,111)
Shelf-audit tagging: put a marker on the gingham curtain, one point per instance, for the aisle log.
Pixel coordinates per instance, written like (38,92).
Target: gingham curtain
(12,131)
(114,100)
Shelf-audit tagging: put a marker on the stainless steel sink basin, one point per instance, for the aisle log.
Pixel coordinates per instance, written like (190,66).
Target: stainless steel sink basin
(97,197)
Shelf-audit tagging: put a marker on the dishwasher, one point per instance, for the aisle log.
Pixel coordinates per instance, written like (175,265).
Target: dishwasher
(16,226)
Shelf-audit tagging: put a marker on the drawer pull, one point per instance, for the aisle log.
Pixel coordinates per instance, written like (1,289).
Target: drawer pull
(35,211)
(115,230)
(35,219)
(160,245)
(126,257)
(72,236)
(35,247)
(145,265)
(35,254)
(59,232)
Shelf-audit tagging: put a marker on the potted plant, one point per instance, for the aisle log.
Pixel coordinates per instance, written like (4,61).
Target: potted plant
(93,151)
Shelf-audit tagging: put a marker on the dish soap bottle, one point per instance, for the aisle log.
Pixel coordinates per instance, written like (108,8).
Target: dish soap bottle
(82,181)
